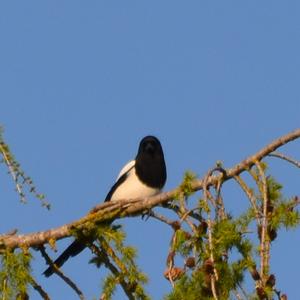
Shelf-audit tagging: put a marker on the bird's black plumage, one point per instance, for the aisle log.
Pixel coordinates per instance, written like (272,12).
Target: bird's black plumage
(150,163)
(145,176)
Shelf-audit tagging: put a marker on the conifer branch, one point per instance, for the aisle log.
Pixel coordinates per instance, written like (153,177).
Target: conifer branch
(4,150)
(105,259)
(18,175)
(110,211)
(111,253)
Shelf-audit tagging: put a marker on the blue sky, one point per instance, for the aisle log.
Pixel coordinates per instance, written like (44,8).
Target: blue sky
(83,81)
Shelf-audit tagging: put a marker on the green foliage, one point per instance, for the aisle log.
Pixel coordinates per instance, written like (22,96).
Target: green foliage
(189,287)
(20,178)
(233,252)
(285,215)
(186,185)
(228,240)
(274,189)
(14,274)
(120,259)
(281,212)
(215,247)
(109,286)
(182,243)
(203,206)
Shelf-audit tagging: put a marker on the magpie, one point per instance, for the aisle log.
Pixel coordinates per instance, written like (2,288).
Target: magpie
(144,176)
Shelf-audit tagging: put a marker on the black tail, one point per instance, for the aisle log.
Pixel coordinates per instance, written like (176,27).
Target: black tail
(75,248)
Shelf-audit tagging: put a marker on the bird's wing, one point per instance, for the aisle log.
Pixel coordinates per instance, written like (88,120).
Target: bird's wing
(126,168)
(121,178)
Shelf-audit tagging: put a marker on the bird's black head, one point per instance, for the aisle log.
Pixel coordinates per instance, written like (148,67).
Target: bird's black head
(150,145)
(150,163)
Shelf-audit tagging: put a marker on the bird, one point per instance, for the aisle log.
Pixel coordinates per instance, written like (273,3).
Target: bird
(145,176)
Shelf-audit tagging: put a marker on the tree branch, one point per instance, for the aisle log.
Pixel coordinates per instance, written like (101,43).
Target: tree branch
(286,158)
(110,211)
(264,241)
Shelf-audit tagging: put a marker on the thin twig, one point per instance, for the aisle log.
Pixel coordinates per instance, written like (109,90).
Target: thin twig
(264,243)
(170,259)
(183,214)
(189,222)
(189,213)
(57,271)
(213,286)
(286,158)
(243,291)
(176,209)
(250,196)
(161,218)
(219,201)
(13,174)
(210,239)
(218,183)
(105,259)
(39,289)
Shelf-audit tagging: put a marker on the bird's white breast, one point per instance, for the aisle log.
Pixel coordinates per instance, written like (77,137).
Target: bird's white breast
(133,188)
